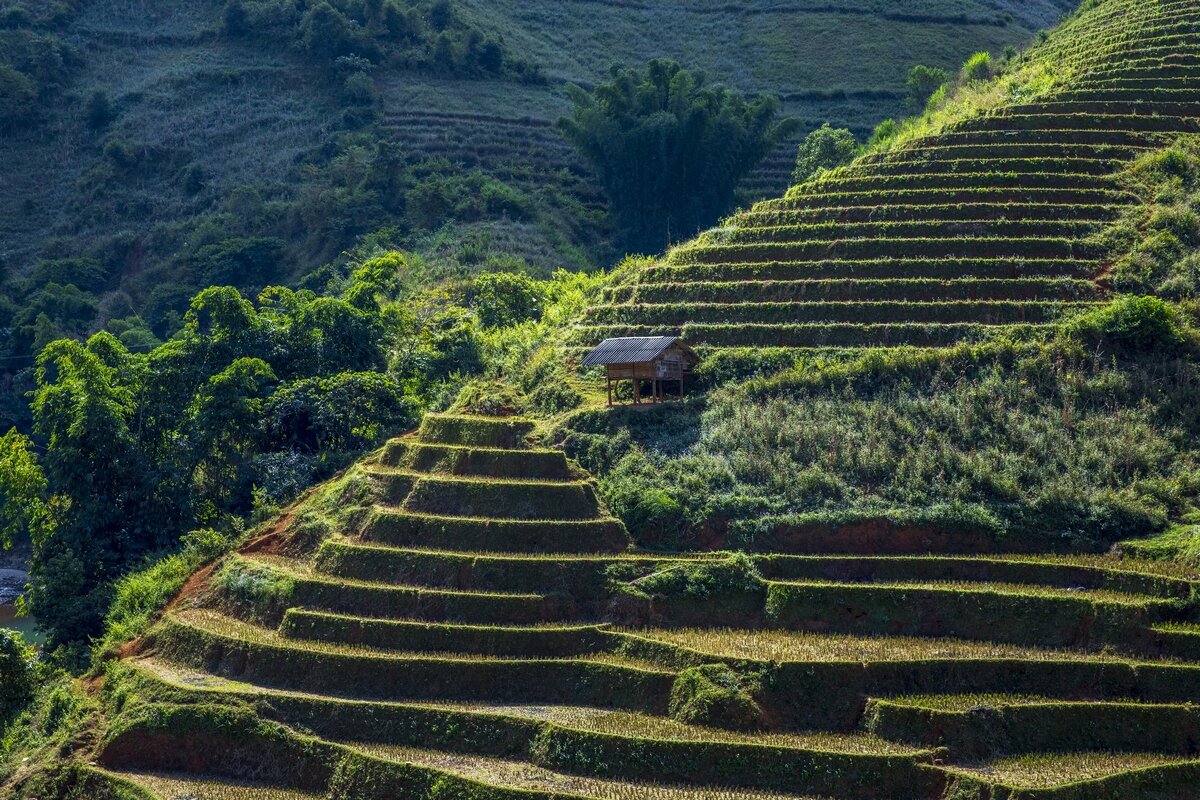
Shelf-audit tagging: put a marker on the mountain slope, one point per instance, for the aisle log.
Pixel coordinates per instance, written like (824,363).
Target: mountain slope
(977,219)
(454,636)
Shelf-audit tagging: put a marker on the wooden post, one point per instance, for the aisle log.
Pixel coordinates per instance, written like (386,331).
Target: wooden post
(608,380)
(637,392)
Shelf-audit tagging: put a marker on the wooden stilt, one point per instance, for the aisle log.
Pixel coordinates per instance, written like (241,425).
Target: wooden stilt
(609,381)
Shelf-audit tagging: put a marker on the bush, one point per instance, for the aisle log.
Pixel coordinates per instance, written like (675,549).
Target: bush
(18,662)
(978,67)
(824,149)
(18,97)
(716,696)
(1140,323)
(922,82)
(502,299)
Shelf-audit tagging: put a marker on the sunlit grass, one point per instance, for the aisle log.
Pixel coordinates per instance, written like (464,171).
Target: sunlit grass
(178,787)
(988,587)
(220,625)
(968,702)
(1045,771)
(522,775)
(645,726)
(784,646)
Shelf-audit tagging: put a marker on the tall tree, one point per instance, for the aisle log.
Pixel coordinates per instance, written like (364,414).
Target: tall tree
(669,148)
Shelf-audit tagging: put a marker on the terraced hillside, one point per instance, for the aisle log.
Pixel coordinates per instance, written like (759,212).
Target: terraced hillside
(478,627)
(844,62)
(984,221)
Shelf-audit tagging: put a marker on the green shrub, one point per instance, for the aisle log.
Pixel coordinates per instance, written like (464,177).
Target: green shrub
(824,149)
(140,596)
(263,593)
(978,67)
(734,575)
(1139,323)
(502,299)
(18,664)
(717,696)
(921,84)
(18,97)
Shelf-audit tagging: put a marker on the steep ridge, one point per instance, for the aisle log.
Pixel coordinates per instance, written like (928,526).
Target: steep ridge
(478,627)
(984,222)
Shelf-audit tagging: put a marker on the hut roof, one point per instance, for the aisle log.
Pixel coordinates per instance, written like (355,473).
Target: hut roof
(629,350)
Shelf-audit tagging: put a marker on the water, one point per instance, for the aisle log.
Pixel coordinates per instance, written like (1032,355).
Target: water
(12,583)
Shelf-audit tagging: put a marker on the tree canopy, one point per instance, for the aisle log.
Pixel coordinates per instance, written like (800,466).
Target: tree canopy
(669,148)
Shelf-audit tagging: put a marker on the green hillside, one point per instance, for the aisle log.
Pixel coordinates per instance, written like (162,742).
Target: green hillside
(457,616)
(980,216)
(843,567)
(154,151)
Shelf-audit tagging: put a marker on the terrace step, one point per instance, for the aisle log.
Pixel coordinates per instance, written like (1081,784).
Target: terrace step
(483,497)
(229,648)
(404,528)
(917,196)
(824,677)
(989,163)
(1179,641)
(496,432)
(177,786)
(1107,153)
(414,636)
(806,335)
(980,726)
(876,269)
(986,611)
(536,465)
(670,776)
(581,575)
(862,249)
(824,291)
(313,590)
(1073,573)
(676,315)
(1037,119)
(966,212)
(1074,137)
(841,181)
(496,729)
(1087,774)
(753,229)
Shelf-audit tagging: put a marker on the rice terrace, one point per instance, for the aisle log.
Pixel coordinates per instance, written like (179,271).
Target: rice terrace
(468,400)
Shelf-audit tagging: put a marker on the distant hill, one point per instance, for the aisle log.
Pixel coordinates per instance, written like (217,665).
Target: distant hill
(247,114)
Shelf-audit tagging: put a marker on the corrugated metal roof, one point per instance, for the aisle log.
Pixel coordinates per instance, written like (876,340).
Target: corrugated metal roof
(628,350)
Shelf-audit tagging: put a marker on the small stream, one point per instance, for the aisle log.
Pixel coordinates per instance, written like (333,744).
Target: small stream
(12,585)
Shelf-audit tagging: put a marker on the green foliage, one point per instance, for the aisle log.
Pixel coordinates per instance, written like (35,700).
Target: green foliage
(921,84)
(402,33)
(734,575)
(18,667)
(250,401)
(715,695)
(260,593)
(1139,323)
(503,299)
(978,67)
(1156,244)
(139,596)
(1179,544)
(1085,439)
(669,148)
(24,512)
(824,149)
